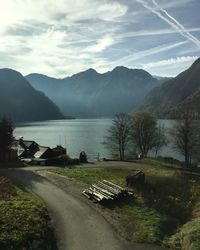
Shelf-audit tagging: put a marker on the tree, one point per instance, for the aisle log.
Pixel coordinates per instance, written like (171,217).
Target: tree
(146,133)
(186,136)
(6,136)
(160,139)
(119,134)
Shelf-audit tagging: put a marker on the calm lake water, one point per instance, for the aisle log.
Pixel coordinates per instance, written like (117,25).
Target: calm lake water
(77,135)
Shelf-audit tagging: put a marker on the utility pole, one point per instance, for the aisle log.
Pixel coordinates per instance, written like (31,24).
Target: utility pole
(66,144)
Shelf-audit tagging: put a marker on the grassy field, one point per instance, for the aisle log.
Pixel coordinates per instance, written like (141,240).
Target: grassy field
(159,162)
(24,221)
(163,207)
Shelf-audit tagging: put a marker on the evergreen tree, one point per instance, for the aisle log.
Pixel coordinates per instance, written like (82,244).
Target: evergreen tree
(6,136)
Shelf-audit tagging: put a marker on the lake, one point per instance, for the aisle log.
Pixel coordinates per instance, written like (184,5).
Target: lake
(77,135)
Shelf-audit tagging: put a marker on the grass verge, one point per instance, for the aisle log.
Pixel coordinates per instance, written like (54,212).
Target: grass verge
(159,162)
(24,221)
(188,235)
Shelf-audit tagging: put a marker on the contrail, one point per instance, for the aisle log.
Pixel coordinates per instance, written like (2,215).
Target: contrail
(164,15)
(179,25)
(149,52)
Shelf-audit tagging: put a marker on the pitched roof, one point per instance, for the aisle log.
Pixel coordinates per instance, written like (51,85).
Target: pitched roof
(20,151)
(26,143)
(41,151)
(16,146)
(59,147)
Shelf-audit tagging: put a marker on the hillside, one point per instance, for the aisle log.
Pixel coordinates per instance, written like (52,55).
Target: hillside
(171,98)
(91,94)
(21,102)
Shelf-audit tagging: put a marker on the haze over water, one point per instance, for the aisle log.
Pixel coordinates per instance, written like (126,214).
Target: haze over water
(78,135)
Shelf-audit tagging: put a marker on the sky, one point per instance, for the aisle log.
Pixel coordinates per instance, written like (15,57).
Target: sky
(63,37)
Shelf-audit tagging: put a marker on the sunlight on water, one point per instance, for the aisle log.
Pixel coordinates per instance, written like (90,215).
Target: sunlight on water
(78,135)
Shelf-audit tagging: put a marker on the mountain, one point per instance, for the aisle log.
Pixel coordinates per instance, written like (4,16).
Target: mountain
(162,79)
(91,94)
(173,96)
(21,102)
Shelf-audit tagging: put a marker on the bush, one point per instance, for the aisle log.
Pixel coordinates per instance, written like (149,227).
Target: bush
(63,160)
(83,157)
(71,161)
(66,160)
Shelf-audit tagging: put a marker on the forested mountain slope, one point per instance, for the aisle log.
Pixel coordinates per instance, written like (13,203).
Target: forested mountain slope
(21,102)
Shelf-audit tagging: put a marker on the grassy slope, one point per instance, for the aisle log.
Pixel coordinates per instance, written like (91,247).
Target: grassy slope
(187,236)
(24,221)
(165,202)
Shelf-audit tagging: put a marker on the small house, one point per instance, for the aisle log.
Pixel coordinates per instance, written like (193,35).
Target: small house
(58,151)
(21,152)
(43,153)
(30,150)
(25,148)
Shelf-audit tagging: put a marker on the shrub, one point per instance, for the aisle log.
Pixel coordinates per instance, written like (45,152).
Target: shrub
(83,157)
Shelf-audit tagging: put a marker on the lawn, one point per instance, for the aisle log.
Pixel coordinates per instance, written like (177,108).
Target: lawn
(161,208)
(24,221)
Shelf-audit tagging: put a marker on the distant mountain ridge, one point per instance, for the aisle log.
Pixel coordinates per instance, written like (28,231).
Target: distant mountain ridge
(91,94)
(162,79)
(177,94)
(21,102)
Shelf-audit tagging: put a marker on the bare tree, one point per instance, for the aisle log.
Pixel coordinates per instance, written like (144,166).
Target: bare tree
(186,135)
(146,134)
(160,139)
(119,134)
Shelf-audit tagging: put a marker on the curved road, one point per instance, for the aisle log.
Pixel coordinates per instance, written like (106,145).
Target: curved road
(78,226)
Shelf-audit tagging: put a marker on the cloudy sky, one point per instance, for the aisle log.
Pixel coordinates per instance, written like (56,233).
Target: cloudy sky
(63,37)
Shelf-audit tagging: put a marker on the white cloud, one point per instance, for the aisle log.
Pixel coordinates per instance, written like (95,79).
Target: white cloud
(170,61)
(61,11)
(134,59)
(64,37)
(100,45)
(47,53)
(47,36)
(169,67)
(149,52)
